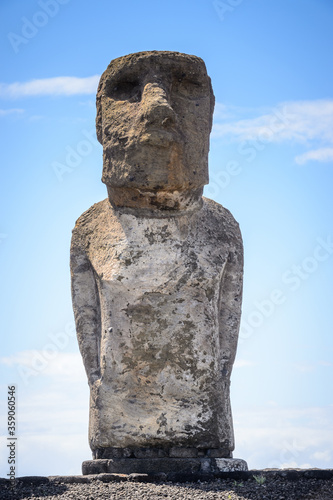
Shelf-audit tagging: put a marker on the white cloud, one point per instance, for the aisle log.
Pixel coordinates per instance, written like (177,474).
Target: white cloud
(300,121)
(284,436)
(304,367)
(305,122)
(61,85)
(5,112)
(52,413)
(240,363)
(50,362)
(322,155)
(325,456)
(310,367)
(57,407)
(52,424)
(90,103)
(325,363)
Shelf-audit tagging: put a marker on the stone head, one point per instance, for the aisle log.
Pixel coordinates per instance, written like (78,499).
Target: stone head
(154,117)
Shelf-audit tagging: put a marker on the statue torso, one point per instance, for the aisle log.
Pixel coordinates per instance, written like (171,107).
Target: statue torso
(159,285)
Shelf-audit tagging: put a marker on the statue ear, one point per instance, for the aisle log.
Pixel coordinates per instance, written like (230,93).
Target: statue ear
(99,131)
(99,117)
(212,103)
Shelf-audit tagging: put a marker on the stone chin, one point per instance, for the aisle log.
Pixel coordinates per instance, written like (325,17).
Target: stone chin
(153,174)
(154,162)
(162,200)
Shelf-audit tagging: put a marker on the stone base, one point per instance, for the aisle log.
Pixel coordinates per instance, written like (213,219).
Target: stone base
(163,465)
(156,452)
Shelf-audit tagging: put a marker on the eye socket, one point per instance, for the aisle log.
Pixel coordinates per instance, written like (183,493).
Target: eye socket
(187,86)
(124,90)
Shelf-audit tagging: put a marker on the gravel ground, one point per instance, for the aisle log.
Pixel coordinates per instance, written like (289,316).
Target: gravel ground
(271,489)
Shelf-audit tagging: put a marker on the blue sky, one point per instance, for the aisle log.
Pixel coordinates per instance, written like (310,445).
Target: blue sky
(271,164)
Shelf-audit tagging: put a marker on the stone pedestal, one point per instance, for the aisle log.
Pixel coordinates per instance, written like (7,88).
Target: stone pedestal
(165,465)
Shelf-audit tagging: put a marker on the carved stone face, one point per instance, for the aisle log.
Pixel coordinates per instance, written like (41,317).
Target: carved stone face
(154,117)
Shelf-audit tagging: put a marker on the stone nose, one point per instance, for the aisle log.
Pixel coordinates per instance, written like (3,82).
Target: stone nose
(155,106)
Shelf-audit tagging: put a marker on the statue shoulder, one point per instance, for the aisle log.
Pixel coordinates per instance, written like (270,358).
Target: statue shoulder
(93,215)
(92,223)
(221,222)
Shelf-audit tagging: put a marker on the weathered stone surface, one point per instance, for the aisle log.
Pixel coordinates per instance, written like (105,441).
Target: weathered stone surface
(154,116)
(218,453)
(157,272)
(168,465)
(157,334)
(33,480)
(230,464)
(183,452)
(154,452)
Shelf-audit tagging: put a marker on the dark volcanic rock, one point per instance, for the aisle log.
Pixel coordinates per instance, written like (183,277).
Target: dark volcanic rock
(301,485)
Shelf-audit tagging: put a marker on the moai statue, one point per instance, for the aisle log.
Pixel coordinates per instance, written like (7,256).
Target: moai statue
(157,277)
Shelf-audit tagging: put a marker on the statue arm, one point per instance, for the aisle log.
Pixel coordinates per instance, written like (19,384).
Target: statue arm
(86,308)
(230,305)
